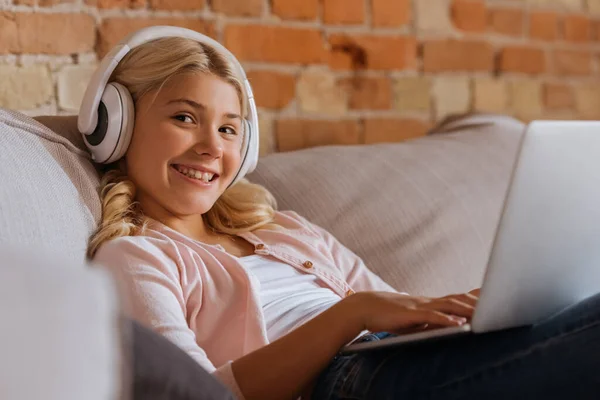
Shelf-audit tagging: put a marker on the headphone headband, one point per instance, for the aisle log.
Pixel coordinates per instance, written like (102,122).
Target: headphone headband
(88,113)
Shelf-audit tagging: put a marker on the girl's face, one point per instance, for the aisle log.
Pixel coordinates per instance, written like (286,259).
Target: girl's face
(185,149)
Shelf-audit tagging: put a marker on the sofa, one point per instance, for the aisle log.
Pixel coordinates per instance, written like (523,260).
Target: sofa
(422,214)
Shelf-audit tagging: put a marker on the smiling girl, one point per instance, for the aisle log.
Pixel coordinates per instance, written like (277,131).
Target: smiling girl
(264,299)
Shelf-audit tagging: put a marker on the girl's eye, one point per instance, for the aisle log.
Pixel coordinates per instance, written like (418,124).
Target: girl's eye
(228,130)
(184,118)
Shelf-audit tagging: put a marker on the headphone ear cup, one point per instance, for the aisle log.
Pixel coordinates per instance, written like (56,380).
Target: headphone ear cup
(245,145)
(97,136)
(127,122)
(112,134)
(251,148)
(248,156)
(247,137)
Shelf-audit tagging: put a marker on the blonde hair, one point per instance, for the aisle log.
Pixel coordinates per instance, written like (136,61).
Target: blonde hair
(242,207)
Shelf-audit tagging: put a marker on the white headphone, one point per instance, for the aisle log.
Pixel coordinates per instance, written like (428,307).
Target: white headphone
(106,115)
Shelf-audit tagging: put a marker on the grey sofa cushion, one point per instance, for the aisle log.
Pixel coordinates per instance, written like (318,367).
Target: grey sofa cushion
(422,214)
(48,195)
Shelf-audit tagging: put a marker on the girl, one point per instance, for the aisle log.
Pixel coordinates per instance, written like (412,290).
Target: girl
(264,299)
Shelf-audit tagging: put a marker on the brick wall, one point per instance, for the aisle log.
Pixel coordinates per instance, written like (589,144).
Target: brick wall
(332,71)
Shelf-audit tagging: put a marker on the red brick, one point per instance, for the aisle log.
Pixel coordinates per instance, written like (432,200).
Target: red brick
(296,9)
(469,16)
(341,12)
(294,134)
(9,32)
(113,30)
(56,33)
(42,3)
(595,31)
(372,52)
(186,5)
(104,4)
(275,44)
(523,59)
(238,7)
(109,3)
(577,28)
(378,130)
(572,62)
(455,55)
(507,21)
(368,93)
(543,25)
(48,3)
(272,89)
(390,13)
(558,96)
(46,33)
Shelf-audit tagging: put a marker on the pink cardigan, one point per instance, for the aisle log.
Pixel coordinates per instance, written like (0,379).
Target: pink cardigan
(202,299)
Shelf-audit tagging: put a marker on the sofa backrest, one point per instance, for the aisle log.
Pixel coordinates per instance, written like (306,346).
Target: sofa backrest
(48,192)
(422,214)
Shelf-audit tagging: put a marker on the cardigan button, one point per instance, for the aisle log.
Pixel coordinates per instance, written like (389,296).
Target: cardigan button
(350,292)
(260,246)
(307,264)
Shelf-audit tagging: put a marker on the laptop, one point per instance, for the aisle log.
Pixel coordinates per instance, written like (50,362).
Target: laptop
(546,253)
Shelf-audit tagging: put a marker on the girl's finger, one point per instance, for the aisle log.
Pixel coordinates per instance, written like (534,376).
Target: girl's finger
(412,329)
(466,298)
(433,317)
(450,306)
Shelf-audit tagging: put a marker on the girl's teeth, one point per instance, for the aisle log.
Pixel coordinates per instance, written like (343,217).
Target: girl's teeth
(204,176)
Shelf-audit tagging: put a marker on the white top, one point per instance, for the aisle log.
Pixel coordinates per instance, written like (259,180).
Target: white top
(288,297)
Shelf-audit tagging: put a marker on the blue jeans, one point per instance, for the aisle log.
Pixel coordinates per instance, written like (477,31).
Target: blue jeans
(555,359)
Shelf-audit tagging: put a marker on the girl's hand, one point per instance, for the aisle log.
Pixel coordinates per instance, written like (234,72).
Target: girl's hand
(401,314)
